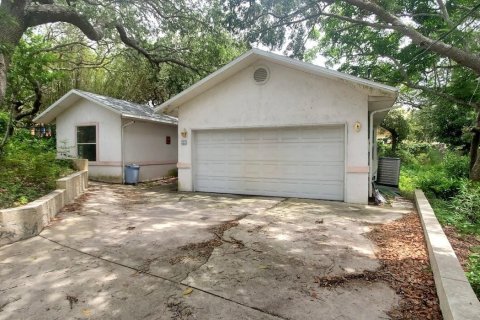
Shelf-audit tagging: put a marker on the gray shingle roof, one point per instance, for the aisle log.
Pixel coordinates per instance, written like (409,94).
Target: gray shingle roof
(129,109)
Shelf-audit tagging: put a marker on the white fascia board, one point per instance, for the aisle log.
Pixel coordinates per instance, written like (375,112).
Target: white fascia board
(46,113)
(52,112)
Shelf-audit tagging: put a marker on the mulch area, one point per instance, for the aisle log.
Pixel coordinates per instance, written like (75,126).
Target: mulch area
(404,266)
(462,244)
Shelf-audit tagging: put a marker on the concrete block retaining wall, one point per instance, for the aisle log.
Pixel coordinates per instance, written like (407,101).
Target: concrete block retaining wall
(457,299)
(29,220)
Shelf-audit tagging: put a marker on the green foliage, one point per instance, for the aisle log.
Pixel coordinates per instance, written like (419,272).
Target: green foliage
(28,169)
(438,174)
(445,123)
(466,203)
(397,124)
(30,63)
(473,273)
(4,119)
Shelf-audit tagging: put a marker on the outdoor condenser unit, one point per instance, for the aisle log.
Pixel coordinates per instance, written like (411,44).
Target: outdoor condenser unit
(388,172)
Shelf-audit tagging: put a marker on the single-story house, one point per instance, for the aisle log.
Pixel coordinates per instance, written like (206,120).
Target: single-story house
(266,124)
(111,133)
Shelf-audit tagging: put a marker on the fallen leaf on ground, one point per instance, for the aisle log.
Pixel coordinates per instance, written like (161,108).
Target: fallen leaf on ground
(187,291)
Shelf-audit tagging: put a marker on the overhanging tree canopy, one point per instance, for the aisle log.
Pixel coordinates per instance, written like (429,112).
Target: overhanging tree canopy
(429,47)
(138,24)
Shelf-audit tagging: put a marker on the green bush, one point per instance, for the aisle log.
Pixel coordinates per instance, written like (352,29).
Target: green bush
(28,169)
(455,165)
(473,273)
(467,202)
(438,174)
(437,182)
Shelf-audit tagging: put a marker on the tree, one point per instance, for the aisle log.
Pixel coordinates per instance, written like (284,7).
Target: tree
(396,123)
(446,123)
(131,22)
(429,47)
(110,47)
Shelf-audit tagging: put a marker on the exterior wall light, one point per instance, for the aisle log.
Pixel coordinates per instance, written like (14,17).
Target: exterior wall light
(357,126)
(184,133)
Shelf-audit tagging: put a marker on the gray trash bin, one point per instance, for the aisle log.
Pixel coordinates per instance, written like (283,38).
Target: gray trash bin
(131,173)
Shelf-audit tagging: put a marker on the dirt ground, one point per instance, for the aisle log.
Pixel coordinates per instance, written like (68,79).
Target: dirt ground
(146,252)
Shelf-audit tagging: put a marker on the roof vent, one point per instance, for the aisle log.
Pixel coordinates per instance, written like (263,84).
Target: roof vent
(261,75)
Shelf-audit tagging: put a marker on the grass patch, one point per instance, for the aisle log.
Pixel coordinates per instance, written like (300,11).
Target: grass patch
(29,169)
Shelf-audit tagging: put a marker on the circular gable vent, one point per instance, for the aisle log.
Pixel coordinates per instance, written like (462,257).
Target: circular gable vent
(261,75)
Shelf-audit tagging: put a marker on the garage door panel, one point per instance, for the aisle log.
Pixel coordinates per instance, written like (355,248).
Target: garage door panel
(297,162)
(325,190)
(239,169)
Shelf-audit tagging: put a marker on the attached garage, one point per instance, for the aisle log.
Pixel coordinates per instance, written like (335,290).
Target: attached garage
(269,125)
(306,162)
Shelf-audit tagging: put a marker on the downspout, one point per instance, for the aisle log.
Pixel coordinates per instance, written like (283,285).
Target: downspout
(123,148)
(370,174)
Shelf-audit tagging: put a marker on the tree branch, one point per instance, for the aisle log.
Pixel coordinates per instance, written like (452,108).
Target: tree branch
(48,13)
(435,92)
(358,22)
(462,57)
(132,43)
(445,14)
(36,104)
(65,45)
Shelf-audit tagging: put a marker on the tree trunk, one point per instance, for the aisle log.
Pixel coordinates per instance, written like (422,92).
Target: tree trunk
(394,141)
(474,156)
(3,76)
(11,31)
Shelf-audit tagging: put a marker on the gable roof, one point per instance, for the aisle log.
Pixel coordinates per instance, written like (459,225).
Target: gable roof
(380,95)
(124,108)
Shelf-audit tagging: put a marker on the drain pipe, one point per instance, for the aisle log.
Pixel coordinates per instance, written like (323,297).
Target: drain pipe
(123,148)
(370,174)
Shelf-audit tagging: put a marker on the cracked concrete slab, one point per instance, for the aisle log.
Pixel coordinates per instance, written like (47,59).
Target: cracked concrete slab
(129,252)
(37,276)
(281,250)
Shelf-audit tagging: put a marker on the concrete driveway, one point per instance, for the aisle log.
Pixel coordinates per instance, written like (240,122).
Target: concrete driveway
(126,252)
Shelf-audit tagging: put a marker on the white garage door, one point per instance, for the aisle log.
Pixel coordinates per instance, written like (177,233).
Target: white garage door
(306,162)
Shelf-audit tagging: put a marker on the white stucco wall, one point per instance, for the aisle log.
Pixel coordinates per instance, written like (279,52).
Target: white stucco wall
(83,112)
(145,144)
(289,98)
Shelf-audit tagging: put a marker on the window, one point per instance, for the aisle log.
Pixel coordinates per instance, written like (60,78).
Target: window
(87,142)
(168,140)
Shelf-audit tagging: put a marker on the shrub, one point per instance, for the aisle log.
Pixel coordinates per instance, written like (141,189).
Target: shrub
(28,169)
(438,183)
(467,203)
(473,273)
(456,165)
(438,174)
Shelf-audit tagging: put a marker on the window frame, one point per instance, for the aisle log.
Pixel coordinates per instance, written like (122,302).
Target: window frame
(88,124)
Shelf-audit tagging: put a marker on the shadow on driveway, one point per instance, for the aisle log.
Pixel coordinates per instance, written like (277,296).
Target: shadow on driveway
(126,252)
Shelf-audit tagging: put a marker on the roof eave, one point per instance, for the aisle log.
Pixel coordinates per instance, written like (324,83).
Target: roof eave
(148,119)
(251,56)
(45,117)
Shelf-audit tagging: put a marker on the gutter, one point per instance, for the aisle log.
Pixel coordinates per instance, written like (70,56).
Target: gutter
(123,148)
